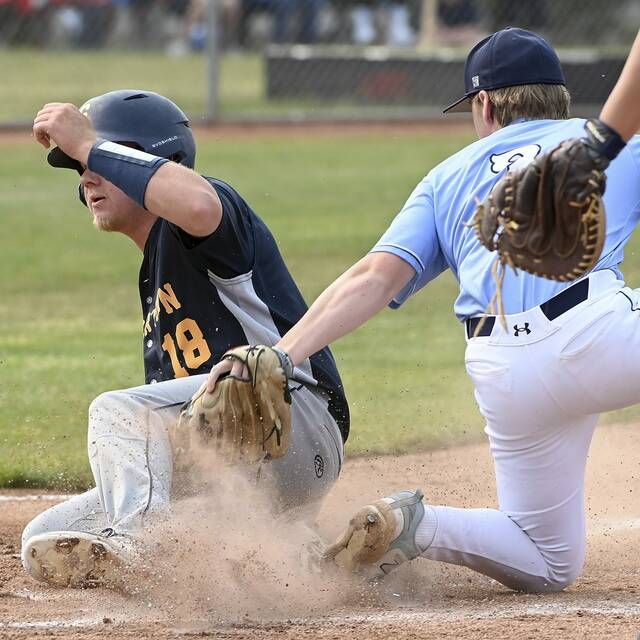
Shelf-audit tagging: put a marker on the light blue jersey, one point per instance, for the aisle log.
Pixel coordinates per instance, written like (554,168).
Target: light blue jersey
(431,231)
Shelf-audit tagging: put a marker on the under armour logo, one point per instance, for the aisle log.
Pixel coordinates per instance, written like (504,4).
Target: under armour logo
(518,330)
(318,463)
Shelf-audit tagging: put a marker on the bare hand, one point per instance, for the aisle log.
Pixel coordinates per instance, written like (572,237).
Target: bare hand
(232,367)
(63,124)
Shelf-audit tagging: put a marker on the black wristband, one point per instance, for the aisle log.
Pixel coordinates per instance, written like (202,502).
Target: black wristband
(603,139)
(285,361)
(126,168)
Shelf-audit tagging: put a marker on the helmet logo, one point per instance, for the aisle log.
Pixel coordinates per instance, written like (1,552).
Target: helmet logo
(161,142)
(84,109)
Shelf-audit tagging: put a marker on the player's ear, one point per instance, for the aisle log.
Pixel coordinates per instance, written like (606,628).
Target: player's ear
(487,108)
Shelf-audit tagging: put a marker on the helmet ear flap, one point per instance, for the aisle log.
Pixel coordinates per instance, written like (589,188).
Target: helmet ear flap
(81,195)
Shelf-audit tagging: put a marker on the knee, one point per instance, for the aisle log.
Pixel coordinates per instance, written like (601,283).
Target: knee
(106,404)
(551,585)
(114,410)
(561,574)
(566,564)
(566,575)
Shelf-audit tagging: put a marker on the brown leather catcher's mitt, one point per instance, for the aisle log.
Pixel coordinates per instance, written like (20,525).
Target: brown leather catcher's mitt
(548,218)
(243,420)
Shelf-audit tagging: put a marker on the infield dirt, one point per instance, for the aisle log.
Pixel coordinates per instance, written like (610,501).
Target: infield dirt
(265,596)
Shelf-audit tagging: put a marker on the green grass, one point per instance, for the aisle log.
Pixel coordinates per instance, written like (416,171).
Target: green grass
(70,318)
(33,77)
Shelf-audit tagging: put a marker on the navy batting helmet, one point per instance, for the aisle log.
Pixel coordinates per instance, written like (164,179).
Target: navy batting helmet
(141,119)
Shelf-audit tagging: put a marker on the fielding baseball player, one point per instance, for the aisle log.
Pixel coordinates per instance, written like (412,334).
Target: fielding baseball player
(534,376)
(211,278)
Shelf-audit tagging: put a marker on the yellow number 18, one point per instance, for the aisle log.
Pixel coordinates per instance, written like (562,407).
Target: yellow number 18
(191,343)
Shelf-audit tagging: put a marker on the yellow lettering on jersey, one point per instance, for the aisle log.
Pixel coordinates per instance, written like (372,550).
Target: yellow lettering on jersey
(147,325)
(155,314)
(168,299)
(165,299)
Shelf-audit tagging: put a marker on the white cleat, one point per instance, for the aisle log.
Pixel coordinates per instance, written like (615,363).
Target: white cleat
(380,536)
(77,559)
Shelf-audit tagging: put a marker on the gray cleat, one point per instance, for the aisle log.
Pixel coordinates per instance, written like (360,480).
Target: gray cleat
(372,543)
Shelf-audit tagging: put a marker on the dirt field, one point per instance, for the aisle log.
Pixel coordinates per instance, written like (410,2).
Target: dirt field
(422,600)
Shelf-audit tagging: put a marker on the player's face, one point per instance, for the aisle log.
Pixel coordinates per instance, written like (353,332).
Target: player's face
(111,208)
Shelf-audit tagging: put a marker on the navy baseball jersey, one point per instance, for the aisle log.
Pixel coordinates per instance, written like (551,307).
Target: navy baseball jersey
(203,296)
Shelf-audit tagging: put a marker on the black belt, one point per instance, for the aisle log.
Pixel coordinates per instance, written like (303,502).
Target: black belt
(552,308)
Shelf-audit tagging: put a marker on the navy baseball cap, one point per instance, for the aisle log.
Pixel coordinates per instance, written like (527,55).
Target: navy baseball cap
(508,58)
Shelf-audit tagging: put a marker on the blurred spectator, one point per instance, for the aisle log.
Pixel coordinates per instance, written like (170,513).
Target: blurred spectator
(8,21)
(247,23)
(399,32)
(25,22)
(141,23)
(96,21)
(144,32)
(174,23)
(190,34)
(196,25)
(192,15)
(533,14)
(381,22)
(291,20)
(459,23)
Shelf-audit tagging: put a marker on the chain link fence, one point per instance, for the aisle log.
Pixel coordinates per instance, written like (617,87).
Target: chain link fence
(291,59)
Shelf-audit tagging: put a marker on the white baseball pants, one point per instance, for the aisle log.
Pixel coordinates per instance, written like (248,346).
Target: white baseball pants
(541,393)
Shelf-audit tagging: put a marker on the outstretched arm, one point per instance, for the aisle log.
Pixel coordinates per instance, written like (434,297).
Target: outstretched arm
(357,295)
(622,109)
(619,119)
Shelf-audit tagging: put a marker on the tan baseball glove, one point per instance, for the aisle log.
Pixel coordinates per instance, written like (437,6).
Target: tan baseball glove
(244,420)
(548,218)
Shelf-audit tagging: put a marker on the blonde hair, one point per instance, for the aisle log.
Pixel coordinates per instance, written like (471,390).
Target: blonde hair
(530,101)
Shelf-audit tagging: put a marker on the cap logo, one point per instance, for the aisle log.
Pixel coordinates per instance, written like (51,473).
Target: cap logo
(475,81)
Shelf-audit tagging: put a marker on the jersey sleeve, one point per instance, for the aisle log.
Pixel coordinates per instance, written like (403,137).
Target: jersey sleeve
(633,147)
(229,251)
(413,237)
